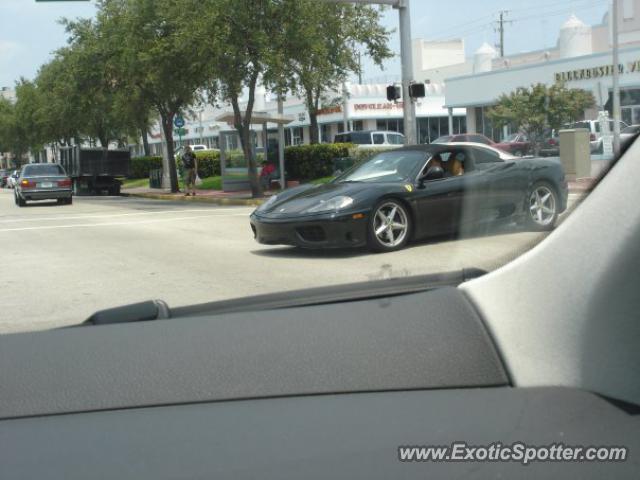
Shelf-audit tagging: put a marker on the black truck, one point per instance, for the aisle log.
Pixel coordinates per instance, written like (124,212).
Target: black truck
(95,170)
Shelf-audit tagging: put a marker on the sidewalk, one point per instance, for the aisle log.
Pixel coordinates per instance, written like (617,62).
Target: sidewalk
(243,198)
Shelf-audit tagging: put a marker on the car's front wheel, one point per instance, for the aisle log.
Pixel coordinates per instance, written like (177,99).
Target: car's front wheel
(542,207)
(389,226)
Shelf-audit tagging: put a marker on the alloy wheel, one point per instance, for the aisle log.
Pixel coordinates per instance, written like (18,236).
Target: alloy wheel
(542,205)
(390,224)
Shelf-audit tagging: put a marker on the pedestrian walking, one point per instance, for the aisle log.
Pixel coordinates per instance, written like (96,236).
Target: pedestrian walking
(190,166)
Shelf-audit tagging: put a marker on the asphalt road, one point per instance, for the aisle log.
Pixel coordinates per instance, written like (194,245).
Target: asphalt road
(62,263)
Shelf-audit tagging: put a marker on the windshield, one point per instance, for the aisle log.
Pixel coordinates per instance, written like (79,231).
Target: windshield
(42,170)
(307,125)
(387,167)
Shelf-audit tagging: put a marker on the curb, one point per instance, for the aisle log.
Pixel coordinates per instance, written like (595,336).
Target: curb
(238,202)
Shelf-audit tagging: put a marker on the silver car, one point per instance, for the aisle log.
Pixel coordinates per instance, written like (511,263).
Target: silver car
(43,181)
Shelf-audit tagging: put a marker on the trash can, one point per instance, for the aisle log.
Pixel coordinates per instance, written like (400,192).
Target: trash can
(342,164)
(155,178)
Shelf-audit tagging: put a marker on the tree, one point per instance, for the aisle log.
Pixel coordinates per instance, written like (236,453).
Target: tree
(11,138)
(92,74)
(61,115)
(322,44)
(539,108)
(244,40)
(154,51)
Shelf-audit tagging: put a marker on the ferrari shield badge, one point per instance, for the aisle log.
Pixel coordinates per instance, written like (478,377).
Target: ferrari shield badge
(409,187)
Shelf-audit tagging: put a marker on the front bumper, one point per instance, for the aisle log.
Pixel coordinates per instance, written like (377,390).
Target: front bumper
(319,231)
(40,194)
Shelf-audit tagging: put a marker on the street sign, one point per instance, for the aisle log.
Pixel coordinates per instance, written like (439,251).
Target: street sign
(178,122)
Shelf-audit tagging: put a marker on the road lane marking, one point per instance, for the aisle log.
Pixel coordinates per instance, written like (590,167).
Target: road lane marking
(112,224)
(115,215)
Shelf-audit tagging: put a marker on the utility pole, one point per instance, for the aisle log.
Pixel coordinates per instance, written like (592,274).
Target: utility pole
(500,29)
(359,68)
(406,55)
(281,141)
(616,81)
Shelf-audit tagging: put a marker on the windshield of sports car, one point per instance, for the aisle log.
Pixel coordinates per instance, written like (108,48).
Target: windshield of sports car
(196,151)
(393,166)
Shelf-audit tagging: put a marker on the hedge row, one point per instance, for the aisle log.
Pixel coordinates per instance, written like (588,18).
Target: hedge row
(307,162)
(141,166)
(302,162)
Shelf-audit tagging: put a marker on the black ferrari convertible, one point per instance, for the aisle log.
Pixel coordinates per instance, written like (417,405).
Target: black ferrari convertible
(415,192)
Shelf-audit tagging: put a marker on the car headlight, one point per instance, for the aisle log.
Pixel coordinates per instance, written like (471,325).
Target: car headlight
(333,204)
(272,199)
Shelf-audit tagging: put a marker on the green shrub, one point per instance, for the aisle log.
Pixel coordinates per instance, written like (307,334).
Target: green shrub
(308,162)
(362,154)
(208,163)
(141,166)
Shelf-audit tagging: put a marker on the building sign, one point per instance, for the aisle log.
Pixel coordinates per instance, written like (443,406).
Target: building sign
(329,110)
(596,72)
(378,106)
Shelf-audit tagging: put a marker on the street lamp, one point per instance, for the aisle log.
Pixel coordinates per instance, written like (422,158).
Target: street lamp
(406,58)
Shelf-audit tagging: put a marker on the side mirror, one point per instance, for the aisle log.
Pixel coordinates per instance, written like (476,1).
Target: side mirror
(434,173)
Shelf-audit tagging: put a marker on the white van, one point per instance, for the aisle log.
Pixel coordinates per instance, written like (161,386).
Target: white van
(371,138)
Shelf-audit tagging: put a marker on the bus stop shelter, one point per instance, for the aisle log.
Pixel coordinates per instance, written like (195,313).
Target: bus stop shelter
(257,118)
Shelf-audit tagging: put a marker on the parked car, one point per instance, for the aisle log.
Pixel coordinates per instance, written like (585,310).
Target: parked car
(550,145)
(371,138)
(43,181)
(465,137)
(517,144)
(12,179)
(4,174)
(595,135)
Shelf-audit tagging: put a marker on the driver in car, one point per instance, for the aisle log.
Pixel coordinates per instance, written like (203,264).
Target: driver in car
(454,166)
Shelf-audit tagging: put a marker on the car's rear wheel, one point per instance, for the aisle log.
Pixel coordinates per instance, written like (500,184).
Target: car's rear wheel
(21,202)
(541,207)
(389,226)
(518,153)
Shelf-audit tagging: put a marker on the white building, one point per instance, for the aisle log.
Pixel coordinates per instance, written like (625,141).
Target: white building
(582,59)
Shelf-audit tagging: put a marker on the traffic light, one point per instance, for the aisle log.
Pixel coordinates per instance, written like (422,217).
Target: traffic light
(394,92)
(417,90)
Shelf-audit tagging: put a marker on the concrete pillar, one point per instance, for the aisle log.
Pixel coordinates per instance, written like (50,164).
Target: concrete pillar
(575,152)
(450,111)
(471,120)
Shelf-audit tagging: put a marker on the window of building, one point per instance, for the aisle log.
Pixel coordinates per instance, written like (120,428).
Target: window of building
(391,125)
(358,125)
(297,135)
(325,133)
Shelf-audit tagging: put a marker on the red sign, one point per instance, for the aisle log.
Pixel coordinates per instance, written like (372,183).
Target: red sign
(329,110)
(378,106)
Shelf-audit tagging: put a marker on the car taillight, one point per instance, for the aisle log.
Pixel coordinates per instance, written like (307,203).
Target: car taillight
(27,184)
(553,141)
(592,137)
(65,183)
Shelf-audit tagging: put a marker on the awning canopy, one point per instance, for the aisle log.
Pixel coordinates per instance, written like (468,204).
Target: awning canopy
(257,118)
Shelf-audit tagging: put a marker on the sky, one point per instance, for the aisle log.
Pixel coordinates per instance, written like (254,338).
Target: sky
(29,31)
